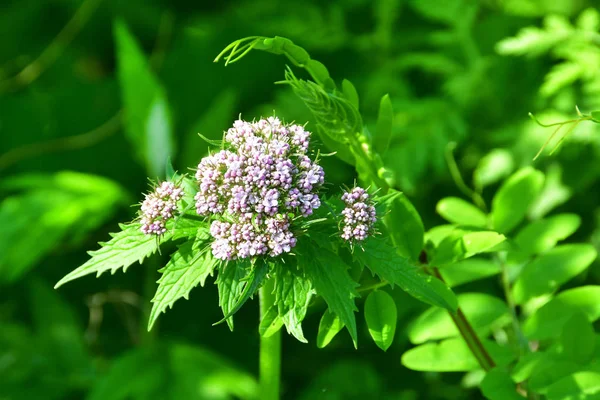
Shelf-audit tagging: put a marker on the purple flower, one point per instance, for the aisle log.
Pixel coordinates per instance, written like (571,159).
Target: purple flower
(359,215)
(254,188)
(158,207)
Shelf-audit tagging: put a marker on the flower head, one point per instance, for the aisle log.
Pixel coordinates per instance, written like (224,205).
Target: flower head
(158,207)
(256,187)
(359,215)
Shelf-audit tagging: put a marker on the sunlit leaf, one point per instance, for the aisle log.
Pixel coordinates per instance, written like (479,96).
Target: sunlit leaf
(548,271)
(461,212)
(329,326)
(381,316)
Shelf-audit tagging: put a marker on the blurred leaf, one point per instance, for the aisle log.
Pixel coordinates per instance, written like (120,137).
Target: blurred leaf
(484,312)
(329,326)
(554,193)
(497,385)
(350,93)
(550,270)
(543,235)
(382,259)
(535,41)
(148,120)
(578,339)
(381,316)
(343,380)
(575,386)
(461,212)
(330,278)
(189,266)
(548,321)
(214,120)
(463,243)
(385,122)
(51,209)
(468,271)
(550,371)
(495,165)
(452,355)
(403,223)
(511,202)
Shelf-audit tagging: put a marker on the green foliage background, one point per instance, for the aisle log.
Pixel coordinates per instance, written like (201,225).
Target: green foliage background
(461,71)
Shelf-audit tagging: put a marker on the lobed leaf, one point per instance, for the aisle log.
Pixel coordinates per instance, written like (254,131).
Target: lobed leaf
(293,292)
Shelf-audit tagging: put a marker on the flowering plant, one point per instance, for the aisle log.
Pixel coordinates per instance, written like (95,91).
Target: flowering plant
(256,216)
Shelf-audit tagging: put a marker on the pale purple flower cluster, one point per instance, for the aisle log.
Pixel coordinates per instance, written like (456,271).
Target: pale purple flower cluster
(256,187)
(359,215)
(158,207)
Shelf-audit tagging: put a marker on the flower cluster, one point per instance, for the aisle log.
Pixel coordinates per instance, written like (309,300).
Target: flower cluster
(256,187)
(158,207)
(359,215)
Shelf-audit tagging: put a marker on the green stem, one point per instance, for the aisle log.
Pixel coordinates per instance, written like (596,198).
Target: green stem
(468,334)
(270,350)
(522,340)
(150,278)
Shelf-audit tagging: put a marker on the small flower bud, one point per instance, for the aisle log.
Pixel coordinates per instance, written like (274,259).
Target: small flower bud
(158,207)
(359,215)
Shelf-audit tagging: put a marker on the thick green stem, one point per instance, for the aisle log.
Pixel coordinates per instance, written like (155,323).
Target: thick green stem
(270,351)
(468,334)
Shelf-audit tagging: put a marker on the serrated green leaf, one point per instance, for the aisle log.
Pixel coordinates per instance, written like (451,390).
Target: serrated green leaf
(403,223)
(484,312)
(329,326)
(252,282)
(511,202)
(497,385)
(461,212)
(230,284)
(548,321)
(126,247)
(270,323)
(382,259)
(575,386)
(578,339)
(148,121)
(385,122)
(381,316)
(543,235)
(468,271)
(331,280)
(189,266)
(292,297)
(452,355)
(550,270)
(495,165)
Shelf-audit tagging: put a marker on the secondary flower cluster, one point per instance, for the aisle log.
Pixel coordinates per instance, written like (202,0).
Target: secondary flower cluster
(158,207)
(359,215)
(256,187)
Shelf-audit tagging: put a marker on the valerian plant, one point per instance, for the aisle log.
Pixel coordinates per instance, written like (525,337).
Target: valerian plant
(253,216)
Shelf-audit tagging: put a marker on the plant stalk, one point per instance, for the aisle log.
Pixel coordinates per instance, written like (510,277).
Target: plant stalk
(270,350)
(468,334)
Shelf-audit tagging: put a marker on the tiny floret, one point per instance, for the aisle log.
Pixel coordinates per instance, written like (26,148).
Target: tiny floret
(256,186)
(359,215)
(158,207)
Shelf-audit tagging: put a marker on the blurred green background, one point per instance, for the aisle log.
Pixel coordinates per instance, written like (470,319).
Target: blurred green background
(459,71)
